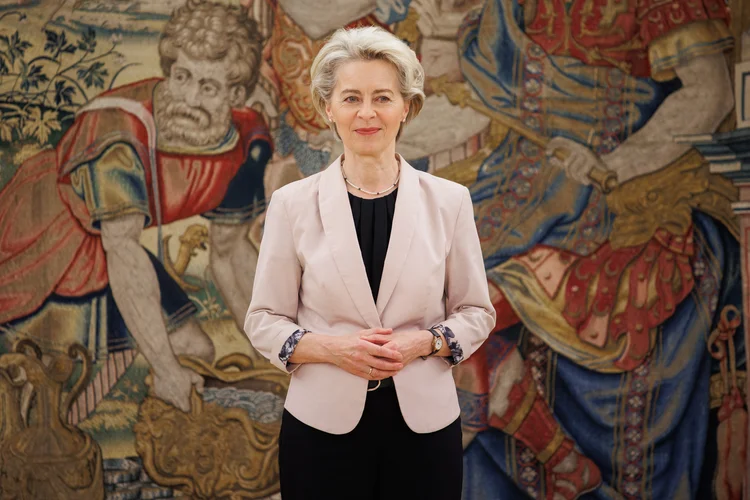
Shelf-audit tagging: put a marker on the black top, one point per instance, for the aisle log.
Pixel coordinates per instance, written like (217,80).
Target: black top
(373,220)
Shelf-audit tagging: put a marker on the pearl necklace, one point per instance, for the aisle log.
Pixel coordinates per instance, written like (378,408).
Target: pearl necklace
(371,193)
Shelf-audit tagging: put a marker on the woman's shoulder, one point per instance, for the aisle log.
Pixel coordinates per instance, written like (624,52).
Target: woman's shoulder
(444,189)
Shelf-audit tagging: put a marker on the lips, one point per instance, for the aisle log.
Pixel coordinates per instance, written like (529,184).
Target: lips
(367,131)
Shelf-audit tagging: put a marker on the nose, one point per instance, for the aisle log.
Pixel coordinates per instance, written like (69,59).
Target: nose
(191,95)
(366,111)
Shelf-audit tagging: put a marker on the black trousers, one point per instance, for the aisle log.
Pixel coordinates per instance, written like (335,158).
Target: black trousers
(381,459)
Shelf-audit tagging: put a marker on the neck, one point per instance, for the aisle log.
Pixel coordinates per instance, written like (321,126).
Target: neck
(371,172)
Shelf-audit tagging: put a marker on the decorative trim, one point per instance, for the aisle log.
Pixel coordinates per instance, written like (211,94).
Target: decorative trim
(717,389)
(549,450)
(522,411)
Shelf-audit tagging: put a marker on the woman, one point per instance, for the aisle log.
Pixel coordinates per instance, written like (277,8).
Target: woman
(370,285)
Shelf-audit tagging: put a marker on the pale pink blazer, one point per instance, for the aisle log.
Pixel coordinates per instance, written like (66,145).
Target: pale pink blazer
(310,275)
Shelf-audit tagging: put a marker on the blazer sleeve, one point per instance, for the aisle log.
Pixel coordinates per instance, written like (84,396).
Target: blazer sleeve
(471,316)
(270,323)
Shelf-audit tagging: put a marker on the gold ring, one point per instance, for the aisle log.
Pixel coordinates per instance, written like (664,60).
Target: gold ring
(369,374)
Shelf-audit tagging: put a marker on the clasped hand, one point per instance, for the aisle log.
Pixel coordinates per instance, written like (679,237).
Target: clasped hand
(379,353)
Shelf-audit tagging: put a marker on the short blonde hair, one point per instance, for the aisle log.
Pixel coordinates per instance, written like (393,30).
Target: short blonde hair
(366,44)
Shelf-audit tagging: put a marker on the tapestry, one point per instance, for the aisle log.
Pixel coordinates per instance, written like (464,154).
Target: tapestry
(131,219)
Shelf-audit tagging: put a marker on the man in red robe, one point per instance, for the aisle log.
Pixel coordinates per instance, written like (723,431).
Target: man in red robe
(72,268)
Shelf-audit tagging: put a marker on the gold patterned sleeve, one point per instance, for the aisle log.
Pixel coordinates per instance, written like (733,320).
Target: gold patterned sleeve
(111,186)
(676,31)
(692,40)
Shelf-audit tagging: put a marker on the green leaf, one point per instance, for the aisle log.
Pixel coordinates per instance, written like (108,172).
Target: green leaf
(57,43)
(32,78)
(17,47)
(88,42)
(53,41)
(64,93)
(94,75)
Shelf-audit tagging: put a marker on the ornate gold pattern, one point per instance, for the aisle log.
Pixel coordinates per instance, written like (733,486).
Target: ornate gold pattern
(212,452)
(666,198)
(718,388)
(46,457)
(610,11)
(291,54)
(408,30)
(193,239)
(685,43)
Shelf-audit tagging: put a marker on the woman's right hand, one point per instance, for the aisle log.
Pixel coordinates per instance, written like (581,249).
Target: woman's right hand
(362,358)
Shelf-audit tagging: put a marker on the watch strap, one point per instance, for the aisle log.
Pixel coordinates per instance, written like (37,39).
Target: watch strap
(436,334)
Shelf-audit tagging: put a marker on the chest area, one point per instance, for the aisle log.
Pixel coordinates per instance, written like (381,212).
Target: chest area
(410,276)
(192,184)
(599,30)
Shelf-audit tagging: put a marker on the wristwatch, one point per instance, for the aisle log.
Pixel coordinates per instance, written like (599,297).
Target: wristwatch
(437,341)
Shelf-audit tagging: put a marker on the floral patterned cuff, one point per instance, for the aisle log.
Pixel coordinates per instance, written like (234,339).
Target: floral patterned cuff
(457,354)
(290,345)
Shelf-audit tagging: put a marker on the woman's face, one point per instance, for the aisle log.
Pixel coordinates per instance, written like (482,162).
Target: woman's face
(367,106)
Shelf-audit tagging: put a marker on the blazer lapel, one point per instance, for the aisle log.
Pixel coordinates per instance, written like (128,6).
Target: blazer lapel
(402,231)
(341,236)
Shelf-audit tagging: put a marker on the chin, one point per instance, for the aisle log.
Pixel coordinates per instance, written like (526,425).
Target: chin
(368,147)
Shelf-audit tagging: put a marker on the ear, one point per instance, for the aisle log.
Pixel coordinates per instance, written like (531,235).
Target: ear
(329,114)
(406,111)
(237,96)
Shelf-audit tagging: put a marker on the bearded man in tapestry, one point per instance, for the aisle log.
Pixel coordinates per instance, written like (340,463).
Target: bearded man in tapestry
(72,268)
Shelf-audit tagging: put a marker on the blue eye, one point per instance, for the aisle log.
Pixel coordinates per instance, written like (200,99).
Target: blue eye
(383,98)
(350,98)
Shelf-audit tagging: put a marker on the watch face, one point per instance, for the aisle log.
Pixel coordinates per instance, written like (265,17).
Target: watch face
(438,343)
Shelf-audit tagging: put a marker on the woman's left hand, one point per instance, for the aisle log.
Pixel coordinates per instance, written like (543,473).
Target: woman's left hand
(411,344)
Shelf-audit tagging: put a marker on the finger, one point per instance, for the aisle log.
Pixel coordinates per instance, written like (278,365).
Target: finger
(383,364)
(570,161)
(381,374)
(581,168)
(181,403)
(555,144)
(577,167)
(376,331)
(585,179)
(555,162)
(580,171)
(383,352)
(377,339)
(199,383)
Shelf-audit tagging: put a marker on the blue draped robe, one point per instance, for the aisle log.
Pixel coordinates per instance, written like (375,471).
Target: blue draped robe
(650,430)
